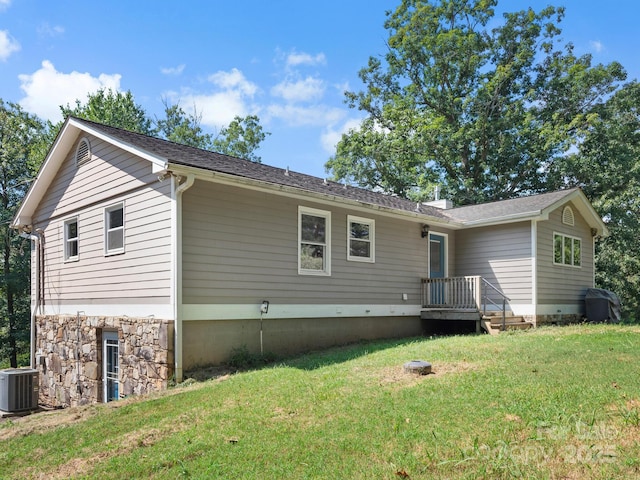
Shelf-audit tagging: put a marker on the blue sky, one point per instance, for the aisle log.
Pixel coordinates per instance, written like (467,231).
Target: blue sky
(288,62)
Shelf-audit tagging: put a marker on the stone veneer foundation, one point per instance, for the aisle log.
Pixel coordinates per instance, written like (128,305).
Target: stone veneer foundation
(69,357)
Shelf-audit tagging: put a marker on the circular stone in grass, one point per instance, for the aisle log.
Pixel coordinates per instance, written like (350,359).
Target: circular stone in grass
(419,367)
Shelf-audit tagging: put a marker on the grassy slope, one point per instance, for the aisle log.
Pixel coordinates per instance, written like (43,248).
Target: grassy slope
(551,403)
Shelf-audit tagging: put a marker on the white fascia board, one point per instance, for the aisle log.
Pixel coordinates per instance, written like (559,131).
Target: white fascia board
(584,207)
(56,156)
(516,217)
(293,192)
(159,163)
(46,174)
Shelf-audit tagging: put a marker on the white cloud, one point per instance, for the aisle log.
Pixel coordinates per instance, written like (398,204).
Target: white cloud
(46,30)
(233,80)
(331,136)
(300,58)
(232,96)
(316,115)
(597,45)
(8,44)
(305,90)
(4,4)
(46,89)
(173,70)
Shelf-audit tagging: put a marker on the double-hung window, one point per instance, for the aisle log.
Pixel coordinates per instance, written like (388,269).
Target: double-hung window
(71,240)
(361,236)
(114,229)
(314,241)
(567,250)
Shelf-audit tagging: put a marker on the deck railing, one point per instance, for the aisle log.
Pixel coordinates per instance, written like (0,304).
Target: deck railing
(463,293)
(452,293)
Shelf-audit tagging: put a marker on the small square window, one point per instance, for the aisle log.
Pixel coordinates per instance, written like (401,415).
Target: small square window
(71,240)
(114,229)
(361,235)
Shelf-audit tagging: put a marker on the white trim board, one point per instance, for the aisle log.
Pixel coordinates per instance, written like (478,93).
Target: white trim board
(164,311)
(196,312)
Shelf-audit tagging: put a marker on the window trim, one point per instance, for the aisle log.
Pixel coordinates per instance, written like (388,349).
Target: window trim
(372,239)
(573,239)
(107,229)
(66,240)
(326,271)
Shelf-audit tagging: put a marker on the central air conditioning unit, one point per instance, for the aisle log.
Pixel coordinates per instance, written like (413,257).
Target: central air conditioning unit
(19,389)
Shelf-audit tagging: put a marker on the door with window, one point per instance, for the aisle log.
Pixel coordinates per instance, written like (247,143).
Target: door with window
(110,360)
(437,267)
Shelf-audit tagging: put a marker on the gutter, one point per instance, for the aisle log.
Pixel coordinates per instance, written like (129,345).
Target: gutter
(177,189)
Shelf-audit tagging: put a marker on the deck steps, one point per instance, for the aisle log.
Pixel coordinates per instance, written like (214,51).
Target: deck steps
(493,324)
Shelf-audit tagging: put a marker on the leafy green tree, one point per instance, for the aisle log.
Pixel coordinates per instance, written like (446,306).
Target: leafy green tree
(22,138)
(483,107)
(607,167)
(117,109)
(241,138)
(183,128)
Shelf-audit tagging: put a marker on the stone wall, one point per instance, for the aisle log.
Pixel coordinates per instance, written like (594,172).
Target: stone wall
(69,357)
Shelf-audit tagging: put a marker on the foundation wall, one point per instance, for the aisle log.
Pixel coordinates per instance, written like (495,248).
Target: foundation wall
(212,342)
(69,357)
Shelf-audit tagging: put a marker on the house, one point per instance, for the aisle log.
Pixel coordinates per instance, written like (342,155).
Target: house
(150,258)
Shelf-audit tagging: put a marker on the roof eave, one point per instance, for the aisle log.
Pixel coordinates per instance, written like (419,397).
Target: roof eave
(226,178)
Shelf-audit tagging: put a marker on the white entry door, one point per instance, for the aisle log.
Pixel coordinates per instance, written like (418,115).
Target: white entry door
(110,360)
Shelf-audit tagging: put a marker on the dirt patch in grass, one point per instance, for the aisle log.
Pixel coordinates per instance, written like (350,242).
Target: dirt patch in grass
(396,376)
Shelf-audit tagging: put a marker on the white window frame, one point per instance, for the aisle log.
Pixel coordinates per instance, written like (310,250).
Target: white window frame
(372,235)
(108,229)
(67,241)
(573,238)
(326,271)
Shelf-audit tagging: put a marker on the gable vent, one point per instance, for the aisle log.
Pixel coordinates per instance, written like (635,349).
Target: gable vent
(83,152)
(567,216)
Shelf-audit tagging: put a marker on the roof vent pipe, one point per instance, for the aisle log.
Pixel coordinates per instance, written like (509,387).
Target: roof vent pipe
(437,193)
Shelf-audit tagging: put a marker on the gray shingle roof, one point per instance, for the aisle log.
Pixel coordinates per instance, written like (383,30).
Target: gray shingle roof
(530,205)
(193,157)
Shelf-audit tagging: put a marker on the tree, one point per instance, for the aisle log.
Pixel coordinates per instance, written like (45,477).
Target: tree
(607,167)
(117,109)
(183,128)
(486,112)
(21,152)
(241,138)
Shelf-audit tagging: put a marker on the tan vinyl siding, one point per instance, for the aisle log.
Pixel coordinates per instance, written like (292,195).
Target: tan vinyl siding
(501,254)
(562,284)
(240,246)
(142,274)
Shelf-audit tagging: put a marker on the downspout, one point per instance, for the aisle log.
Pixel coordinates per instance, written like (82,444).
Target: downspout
(534,270)
(177,189)
(37,239)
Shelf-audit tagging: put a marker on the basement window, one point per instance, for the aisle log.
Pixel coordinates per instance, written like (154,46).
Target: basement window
(114,229)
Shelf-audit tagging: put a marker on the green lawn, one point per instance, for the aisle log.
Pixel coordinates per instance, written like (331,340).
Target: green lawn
(557,403)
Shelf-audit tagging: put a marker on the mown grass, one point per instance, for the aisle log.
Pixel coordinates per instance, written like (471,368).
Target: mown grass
(550,403)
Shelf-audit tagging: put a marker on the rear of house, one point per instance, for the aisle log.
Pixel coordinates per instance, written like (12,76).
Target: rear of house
(151,258)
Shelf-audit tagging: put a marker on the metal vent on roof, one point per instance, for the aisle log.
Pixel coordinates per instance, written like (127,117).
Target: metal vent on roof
(567,216)
(83,152)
